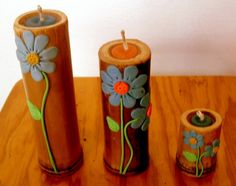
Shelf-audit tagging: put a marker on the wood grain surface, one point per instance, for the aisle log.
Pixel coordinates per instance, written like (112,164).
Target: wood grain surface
(138,138)
(170,97)
(60,108)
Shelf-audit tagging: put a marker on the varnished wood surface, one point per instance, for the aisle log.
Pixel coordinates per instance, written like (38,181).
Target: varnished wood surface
(170,97)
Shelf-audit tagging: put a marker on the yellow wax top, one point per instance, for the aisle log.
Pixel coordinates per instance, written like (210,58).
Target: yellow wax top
(118,51)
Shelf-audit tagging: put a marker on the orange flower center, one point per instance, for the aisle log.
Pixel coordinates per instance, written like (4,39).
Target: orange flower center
(192,141)
(149,110)
(215,149)
(121,87)
(32,58)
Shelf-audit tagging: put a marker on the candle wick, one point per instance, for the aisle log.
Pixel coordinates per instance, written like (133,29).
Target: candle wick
(40,11)
(200,115)
(125,45)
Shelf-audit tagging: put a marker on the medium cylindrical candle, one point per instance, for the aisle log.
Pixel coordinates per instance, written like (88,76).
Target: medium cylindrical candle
(43,50)
(125,74)
(199,140)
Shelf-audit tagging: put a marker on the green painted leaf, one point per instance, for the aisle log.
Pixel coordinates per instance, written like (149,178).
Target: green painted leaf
(113,125)
(190,156)
(34,111)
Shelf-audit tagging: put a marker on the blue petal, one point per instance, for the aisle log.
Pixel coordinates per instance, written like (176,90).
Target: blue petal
(128,101)
(186,141)
(192,133)
(193,146)
(136,124)
(29,40)
(107,89)
(145,100)
(199,137)
(47,67)
(137,93)
(186,134)
(139,81)
(48,54)
(145,124)
(130,73)
(114,73)
(200,143)
(138,113)
(36,74)
(216,143)
(106,78)
(208,148)
(40,43)
(25,67)
(114,99)
(20,56)
(208,151)
(20,45)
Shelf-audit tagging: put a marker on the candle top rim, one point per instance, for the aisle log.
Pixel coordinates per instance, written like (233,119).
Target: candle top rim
(141,57)
(61,18)
(216,123)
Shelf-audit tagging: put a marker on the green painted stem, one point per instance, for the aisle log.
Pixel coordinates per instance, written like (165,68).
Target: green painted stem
(200,160)
(130,146)
(197,161)
(122,135)
(51,158)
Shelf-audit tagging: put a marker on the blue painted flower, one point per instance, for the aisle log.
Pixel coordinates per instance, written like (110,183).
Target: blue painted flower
(193,139)
(142,114)
(33,55)
(211,150)
(129,87)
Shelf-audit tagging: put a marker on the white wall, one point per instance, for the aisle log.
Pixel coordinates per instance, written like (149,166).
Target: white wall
(187,37)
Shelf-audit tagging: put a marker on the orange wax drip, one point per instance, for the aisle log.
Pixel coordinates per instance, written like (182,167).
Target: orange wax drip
(119,52)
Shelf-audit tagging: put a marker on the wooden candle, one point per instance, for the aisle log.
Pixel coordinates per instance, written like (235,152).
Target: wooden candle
(199,140)
(43,50)
(125,74)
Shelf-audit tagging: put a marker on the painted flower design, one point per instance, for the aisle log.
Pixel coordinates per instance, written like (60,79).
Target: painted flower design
(129,87)
(193,139)
(211,150)
(142,114)
(33,55)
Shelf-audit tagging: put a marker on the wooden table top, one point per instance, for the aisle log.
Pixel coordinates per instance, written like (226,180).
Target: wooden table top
(170,97)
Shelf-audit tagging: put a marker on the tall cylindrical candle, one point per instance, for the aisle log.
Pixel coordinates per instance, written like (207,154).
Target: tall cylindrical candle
(125,74)
(199,140)
(43,50)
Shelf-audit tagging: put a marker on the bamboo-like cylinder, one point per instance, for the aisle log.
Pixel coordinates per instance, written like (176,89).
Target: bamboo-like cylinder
(48,81)
(198,145)
(126,136)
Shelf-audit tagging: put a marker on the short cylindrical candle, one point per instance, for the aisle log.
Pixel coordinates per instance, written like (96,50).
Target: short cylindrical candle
(43,50)
(125,74)
(199,141)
